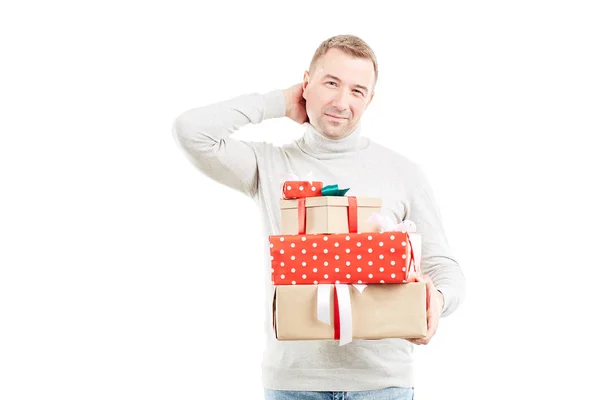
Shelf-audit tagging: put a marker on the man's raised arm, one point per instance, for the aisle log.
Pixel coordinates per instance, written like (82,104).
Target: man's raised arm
(204,135)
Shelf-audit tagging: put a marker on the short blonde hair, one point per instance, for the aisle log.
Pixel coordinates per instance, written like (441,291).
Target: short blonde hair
(349,44)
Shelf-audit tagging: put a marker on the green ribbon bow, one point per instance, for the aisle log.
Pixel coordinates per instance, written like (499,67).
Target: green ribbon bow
(333,190)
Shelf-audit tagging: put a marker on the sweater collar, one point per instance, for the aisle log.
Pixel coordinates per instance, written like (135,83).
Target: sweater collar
(319,146)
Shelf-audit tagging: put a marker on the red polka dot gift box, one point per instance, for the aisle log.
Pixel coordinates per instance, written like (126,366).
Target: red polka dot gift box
(301,189)
(367,258)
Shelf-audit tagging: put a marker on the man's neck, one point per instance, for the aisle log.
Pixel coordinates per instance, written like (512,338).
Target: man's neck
(320,146)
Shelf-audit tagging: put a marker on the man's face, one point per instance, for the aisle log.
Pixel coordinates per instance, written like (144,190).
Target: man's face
(337,92)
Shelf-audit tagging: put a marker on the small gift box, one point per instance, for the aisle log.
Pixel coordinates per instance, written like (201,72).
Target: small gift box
(301,189)
(328,214)
(348,312)
(375,257)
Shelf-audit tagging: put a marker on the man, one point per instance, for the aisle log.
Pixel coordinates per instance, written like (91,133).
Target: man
(330,101)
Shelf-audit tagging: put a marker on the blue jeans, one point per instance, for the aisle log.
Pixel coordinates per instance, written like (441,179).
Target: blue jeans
(391,393)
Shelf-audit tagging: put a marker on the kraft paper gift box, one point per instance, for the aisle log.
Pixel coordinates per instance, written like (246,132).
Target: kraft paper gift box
(380,311)
(328,214)
(363,258)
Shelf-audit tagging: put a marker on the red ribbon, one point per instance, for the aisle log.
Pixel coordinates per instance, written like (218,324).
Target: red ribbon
(301,216)
(352,215)
(411,264)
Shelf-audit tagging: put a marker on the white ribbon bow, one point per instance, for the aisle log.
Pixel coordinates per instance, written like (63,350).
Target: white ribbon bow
(344,306)
(386,224)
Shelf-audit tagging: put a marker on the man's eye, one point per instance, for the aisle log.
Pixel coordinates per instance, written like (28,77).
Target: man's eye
(331,82)
(359,92)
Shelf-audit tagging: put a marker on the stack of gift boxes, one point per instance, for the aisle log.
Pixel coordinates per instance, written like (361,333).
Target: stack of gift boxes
(338,274)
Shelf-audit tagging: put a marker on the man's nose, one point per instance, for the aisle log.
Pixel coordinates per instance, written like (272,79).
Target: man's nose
(341,101)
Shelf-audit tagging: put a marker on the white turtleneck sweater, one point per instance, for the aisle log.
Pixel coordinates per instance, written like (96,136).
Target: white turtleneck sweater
(355,162)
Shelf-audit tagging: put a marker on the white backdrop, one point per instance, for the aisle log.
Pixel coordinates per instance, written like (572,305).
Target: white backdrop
(112,244)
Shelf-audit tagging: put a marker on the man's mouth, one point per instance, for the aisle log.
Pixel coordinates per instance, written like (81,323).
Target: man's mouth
(335,116)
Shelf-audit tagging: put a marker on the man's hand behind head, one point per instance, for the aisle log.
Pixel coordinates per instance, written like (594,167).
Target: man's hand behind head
(295,105)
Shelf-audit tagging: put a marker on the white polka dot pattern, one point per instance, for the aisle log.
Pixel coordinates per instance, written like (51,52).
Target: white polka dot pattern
(307,259)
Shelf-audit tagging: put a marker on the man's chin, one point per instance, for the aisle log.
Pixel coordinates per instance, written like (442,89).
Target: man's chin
(335,135)
(334,132)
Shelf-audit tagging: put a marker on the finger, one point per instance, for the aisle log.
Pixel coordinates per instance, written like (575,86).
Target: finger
(419,341)
(430,329)
(432,324)
(427,338)
(429,290)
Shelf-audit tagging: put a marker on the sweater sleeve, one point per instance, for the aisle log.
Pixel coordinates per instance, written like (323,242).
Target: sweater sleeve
(203,134)
(437,260)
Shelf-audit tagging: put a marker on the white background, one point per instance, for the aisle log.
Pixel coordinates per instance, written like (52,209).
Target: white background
(113,246)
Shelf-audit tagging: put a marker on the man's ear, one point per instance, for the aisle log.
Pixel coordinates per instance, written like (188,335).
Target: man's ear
(305,80)
(370,99)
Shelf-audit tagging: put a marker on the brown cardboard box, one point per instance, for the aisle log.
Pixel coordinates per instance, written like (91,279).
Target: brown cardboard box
(380,311)
(328,214)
